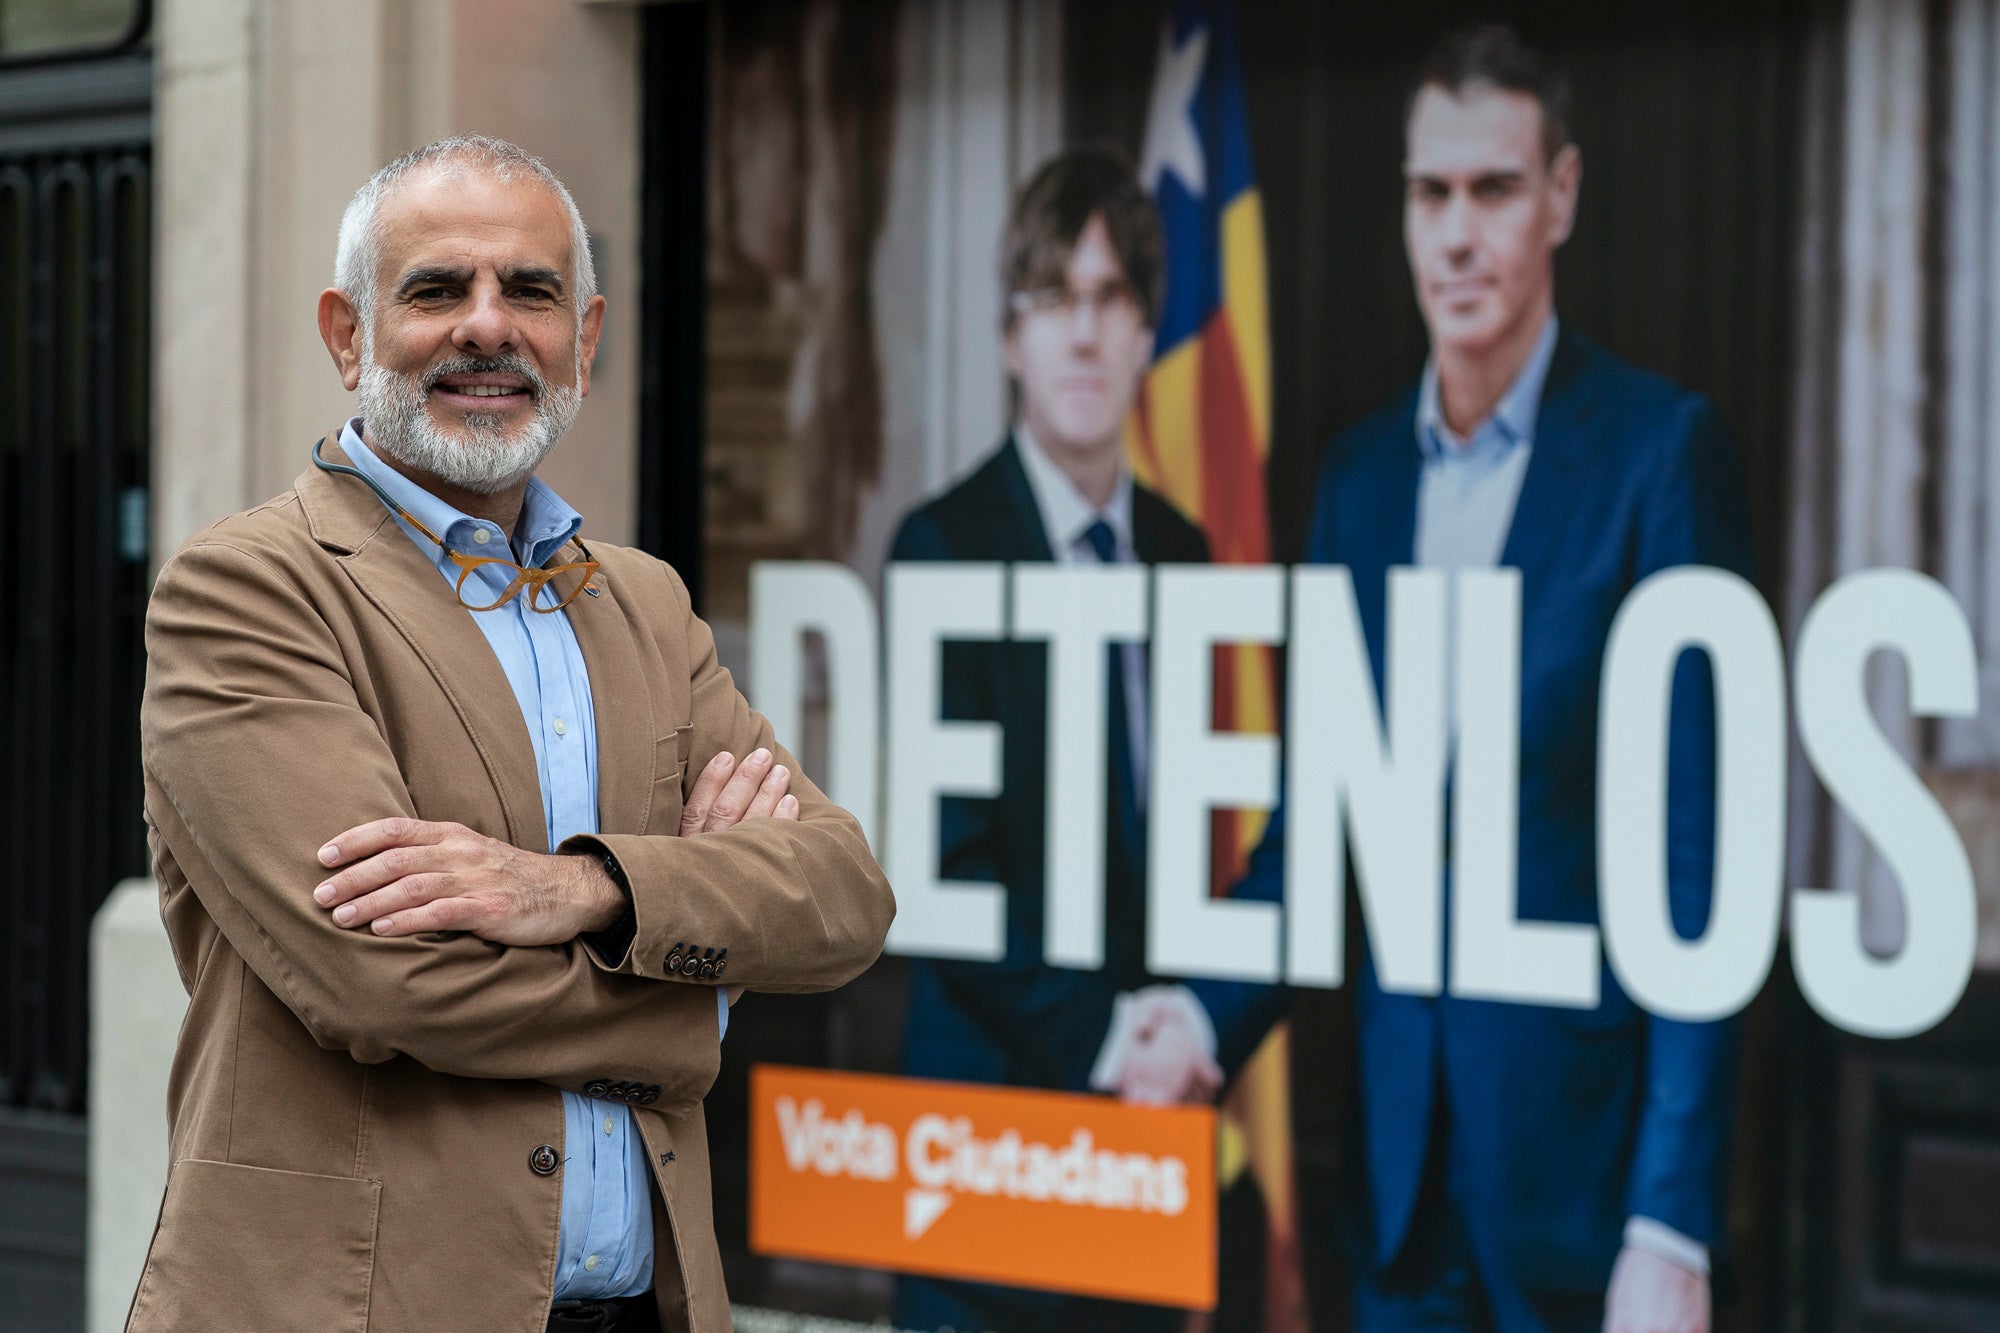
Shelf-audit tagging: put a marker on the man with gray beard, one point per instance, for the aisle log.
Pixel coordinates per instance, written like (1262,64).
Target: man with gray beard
(425,774)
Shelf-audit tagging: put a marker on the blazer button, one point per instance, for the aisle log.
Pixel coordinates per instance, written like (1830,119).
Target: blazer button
(597,1087)
(720,963)
(649,1096)
(690,966)
(543,1161)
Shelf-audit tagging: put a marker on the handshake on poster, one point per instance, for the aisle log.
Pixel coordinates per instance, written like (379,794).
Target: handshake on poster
(1160,1049)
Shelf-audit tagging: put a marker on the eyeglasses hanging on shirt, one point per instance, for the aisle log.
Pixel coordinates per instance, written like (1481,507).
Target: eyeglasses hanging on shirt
(550,589)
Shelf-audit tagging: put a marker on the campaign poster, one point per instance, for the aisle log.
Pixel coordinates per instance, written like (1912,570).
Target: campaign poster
(1407,596)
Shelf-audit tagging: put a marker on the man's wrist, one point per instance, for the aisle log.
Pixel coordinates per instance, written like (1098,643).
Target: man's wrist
(1663,1242)
(600,900)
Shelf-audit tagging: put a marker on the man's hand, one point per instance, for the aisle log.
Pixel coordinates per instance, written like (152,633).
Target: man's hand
(1166,1063)
(1653,1295)
(725,795)
(409,876)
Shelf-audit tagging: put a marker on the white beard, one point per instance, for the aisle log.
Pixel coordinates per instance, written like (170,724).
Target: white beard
(486,459)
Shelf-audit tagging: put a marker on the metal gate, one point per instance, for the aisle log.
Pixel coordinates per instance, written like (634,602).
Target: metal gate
(75,339)
(74,349)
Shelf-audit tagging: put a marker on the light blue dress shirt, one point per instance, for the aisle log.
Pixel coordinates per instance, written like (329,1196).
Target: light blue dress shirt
(1468,488)
(606,1239)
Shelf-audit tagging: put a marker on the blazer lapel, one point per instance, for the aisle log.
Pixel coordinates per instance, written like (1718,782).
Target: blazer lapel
(1390,540)
(1547,505)
(618,680)
(1374,517)
(1151,540)
(405,587)
(1397,540)
(1374,521)
(1016,521)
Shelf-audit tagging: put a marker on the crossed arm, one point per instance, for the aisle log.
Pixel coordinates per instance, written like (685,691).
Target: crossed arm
(409,876)
(259,751)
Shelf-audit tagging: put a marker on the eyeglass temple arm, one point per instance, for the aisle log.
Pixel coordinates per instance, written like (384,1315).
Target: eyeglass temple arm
(380,494)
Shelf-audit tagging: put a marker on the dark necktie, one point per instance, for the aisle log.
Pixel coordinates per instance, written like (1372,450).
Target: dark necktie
(1124,793)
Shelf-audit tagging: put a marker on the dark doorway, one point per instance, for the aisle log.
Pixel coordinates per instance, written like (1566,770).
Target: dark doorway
(75,357)
(672,286)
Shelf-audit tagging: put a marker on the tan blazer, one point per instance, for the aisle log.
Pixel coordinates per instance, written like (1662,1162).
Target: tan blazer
(358,1124)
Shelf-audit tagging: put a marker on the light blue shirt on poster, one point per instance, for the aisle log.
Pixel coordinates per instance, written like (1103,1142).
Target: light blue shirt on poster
(1466,494)
(606,1239)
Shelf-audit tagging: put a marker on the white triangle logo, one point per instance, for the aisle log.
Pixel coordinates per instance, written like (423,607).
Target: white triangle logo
(921,1208)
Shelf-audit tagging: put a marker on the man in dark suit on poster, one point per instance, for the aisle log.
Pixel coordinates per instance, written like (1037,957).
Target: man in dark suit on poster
(1529,1169)
(1082,270)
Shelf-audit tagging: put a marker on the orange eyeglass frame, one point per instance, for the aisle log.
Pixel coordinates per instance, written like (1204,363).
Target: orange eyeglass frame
(537,581)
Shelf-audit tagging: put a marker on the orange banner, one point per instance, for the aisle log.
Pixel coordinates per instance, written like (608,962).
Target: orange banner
(1027,1188)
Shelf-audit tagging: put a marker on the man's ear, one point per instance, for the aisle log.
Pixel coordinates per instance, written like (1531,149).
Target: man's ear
(340,329)
(1010,348)
(586,340)
(1565,179)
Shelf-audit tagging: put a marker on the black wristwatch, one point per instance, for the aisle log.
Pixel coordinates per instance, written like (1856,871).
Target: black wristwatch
(614,942)
(617,873)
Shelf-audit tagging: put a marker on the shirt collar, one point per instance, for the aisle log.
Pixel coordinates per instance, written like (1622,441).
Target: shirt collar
(547,520)
(1065,514)
(1513,419)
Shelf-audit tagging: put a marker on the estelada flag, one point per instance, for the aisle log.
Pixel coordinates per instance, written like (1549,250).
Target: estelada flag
(1202,427)
(1199,436)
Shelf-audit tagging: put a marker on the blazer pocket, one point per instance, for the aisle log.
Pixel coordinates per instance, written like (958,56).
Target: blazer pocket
(670,754)
(669,772)
(249,1247)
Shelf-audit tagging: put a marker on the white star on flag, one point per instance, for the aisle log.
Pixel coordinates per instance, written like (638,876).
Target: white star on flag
(1171,141)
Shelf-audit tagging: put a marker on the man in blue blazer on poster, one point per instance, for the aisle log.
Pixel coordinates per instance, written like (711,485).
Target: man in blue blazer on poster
(1529,1169)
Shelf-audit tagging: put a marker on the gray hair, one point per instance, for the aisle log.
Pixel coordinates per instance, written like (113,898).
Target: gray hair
(358,255)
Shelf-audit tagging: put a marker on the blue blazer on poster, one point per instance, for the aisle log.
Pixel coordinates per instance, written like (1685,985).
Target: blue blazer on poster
(1020,1021)
(1562,1123)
